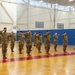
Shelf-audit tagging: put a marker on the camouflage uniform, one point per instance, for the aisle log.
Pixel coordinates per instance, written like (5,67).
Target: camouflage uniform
(12,41)
(28,37)
(65,42)
(35,39)
(47,38)
(21,42)
(38,42)
(4,43)
(8,38)
(55,42)
(0,39)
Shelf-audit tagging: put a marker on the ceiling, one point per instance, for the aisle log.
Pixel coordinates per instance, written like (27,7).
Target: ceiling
(61,2)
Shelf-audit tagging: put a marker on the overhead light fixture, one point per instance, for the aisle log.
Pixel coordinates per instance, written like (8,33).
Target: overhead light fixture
(41,1)
(56,4)
(71,0)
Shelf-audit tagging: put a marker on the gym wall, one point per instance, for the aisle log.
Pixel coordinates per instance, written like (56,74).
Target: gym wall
(28,16)
(70,34)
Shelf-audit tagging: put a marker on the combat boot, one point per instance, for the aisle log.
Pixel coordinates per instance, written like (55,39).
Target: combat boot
(4,57)
(28,55)
(39,51)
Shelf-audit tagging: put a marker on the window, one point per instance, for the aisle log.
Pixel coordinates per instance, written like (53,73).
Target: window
(60,26)
(39,24)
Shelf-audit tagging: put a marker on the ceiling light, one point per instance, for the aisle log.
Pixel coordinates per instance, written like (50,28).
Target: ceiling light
(41,1)
(71,0)
(56,4)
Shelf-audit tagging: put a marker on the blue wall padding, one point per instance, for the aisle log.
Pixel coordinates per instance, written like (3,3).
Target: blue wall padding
(70,34)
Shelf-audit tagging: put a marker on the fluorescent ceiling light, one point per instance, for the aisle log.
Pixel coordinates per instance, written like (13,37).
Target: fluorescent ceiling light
(71,0)
(56,4)
(41,1)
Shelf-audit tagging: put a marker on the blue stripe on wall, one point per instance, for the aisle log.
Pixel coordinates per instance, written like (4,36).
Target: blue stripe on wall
(70,34)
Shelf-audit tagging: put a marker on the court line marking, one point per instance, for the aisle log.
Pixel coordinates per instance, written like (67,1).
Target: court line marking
(35,57)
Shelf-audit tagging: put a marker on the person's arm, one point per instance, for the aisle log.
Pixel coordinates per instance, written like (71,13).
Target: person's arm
(45,35)
(18,35)
(41,39)
(25,34)
(7,37)
(1,33)
(50,37)
(31,37)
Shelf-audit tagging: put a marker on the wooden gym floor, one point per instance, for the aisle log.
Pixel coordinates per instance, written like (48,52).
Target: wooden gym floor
(57,63)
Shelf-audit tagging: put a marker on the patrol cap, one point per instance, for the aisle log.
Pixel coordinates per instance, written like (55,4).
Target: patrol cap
(39,33)
(20,31)
(5,28)
(48,32)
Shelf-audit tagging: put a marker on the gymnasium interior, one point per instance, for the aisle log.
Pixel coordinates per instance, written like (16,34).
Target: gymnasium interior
(54,16)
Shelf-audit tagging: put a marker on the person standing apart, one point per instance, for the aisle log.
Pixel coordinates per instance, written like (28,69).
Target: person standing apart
(4,39)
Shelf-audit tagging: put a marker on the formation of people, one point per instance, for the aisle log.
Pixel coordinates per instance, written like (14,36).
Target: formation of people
(28,38)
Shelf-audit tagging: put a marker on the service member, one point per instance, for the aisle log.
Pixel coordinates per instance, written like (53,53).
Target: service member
(65,42)
(39,42)
(21,41)
(12,41)
(55,41)
(47,39)
(4,35)
(28,37)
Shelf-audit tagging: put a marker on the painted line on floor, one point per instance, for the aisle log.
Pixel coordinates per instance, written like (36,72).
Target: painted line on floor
(35,57)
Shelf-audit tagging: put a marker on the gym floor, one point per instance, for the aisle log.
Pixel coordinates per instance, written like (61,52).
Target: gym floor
(57,63)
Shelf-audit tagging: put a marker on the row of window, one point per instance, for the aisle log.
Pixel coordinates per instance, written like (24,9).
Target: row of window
(41,25)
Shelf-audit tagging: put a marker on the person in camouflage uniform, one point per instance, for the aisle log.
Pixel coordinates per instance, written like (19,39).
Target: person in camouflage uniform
(4,35)
(0,39)
(28,37)
(21,41)
(47,39)
(35,39)
(55,41)
(8,38)
(12,41)
(38,42)
(65,42)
